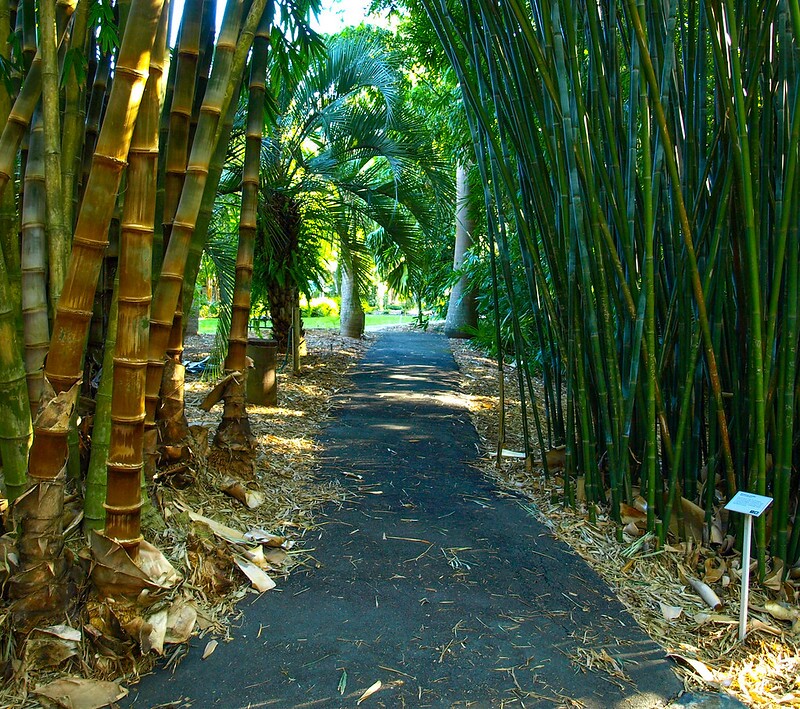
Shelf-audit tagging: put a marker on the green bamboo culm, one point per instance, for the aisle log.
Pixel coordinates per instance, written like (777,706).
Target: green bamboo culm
(16,430)
(94,513)
(647,173)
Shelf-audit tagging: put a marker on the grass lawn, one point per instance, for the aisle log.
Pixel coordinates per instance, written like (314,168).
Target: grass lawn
(209,325)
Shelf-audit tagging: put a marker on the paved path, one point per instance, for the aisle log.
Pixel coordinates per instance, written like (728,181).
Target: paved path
(445,591)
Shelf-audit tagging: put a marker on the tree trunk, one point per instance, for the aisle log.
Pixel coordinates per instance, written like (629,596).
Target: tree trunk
(351,323)
(282,298)
(462,313)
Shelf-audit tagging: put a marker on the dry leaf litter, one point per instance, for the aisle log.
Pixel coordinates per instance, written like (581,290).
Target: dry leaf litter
(211,551)
(686,595)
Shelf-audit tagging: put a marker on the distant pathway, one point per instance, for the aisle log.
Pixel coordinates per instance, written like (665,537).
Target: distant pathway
(445,591)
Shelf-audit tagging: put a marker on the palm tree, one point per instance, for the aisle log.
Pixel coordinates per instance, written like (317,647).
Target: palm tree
(345,158)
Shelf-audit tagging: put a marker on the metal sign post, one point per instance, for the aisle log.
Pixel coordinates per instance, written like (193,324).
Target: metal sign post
(750,505)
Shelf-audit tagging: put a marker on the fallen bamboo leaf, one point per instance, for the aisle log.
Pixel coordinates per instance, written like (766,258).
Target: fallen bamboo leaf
(115,574)
(703,670)
(705,592)
(223,531)
(260,580)
(630,514)
(781,612)
(703,617)
(49,647)
(210,647)
(632,530)
(259,536)
(755,625)
(181,620)
(774,581)
(369,692)
(343,682)
(78,693)
(670,612)
(714,569)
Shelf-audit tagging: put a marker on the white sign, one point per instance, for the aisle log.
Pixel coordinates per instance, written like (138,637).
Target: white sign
(749,503)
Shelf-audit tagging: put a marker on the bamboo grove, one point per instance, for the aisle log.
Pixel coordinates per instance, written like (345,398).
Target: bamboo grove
(110,157)
(641,158)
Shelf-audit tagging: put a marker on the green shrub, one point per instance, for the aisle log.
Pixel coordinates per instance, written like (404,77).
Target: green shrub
(322,307)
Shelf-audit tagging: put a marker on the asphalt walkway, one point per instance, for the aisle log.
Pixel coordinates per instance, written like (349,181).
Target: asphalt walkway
(430,581)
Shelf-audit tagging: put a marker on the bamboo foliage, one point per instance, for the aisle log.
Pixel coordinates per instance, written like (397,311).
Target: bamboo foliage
(643,156)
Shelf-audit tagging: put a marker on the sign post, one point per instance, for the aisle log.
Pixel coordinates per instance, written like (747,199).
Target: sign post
(750,505)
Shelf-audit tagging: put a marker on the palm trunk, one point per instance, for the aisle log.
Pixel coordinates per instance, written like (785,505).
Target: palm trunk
(283,298)
(351,312)
(125,455)
(39,587)
(462,311)
(233,432)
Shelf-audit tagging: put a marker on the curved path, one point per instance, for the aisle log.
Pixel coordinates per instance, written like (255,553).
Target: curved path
(447,591)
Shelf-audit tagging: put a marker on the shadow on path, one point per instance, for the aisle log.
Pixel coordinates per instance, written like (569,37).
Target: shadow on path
(443,588)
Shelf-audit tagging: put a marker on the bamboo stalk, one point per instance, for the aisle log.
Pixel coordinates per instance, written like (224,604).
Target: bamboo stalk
(34,267)
(58,233)
(234,429)
(19,117)
(38,588)
(232,50)
(126,447)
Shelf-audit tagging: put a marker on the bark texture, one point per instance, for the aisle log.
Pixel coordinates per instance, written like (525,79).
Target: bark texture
(351,323)
(462,312)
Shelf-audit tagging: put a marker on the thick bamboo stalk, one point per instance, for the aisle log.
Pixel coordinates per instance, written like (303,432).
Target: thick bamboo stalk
(232,50)
(177,146)
(58,232)
(125,456)
(74,118)
(94,511)
(172,423)
(34,267)
(39,588)
(240,313)
(94,113)
(15,415)
(9,241)
(21,112)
